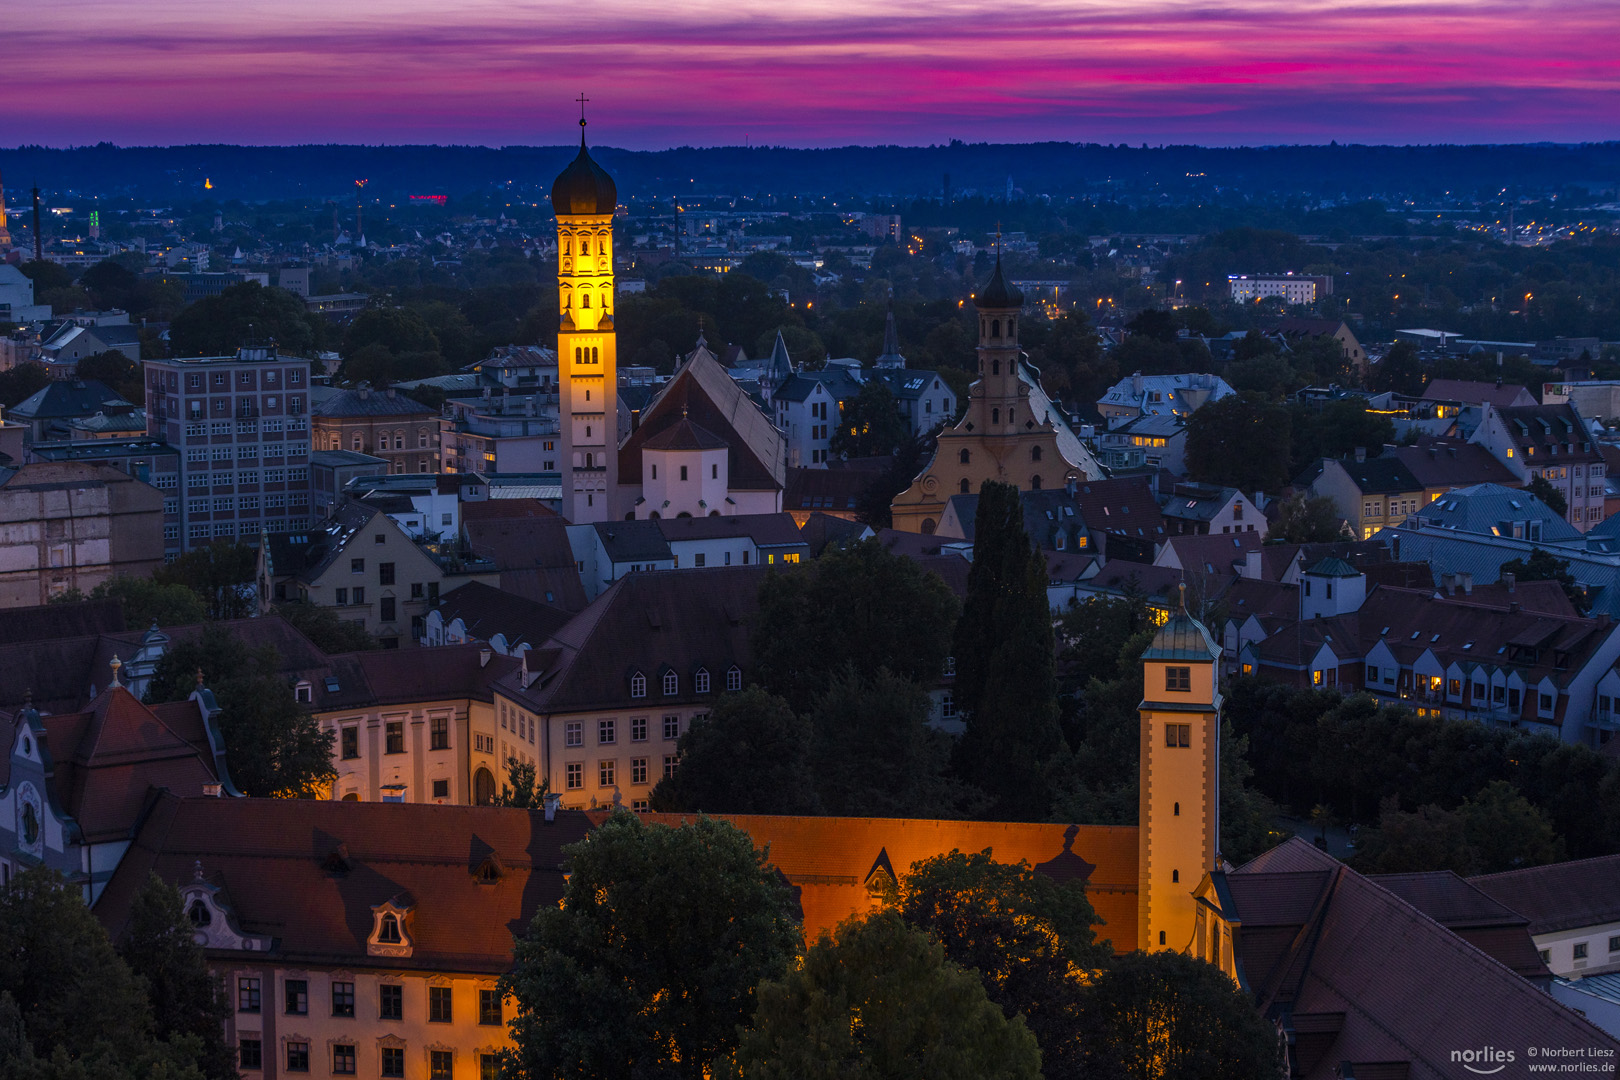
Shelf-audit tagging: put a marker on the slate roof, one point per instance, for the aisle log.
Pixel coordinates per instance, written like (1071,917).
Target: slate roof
(1555,431)
(486,611)
(1213,553)
(271,857)
(65,398)
(1446,463)
(836,380)
(1559,896)
(1472,915)
(367,402)
(1381,476)
(1125,505)
(1484,507)
(702,391)
(1363,976)
(1196,502)
(633,541)
(765,530)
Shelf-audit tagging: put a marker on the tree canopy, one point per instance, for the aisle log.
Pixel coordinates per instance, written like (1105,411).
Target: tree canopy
(881,1002)
(246,314)
(1240,441)
(1029,938)
(649,965)
(274,747)
(750,755)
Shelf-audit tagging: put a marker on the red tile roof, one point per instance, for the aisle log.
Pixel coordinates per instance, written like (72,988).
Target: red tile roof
(1559,896)
(271,857)
(1371,978)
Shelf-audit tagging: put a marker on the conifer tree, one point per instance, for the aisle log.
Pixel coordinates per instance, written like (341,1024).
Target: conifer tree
(1006,680)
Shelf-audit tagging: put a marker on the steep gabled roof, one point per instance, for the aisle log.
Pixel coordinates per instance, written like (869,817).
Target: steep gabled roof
(486,611)
(1318,940)
(1559,896)
(703,391)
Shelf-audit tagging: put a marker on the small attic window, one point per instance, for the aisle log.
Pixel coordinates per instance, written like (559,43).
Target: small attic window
(1467,646)
(198,913)
(331,684)
(1415,634)
(1383,632)
(388,930)
(1434,639)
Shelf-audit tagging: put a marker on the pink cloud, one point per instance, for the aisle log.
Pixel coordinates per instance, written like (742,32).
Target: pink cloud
(1182,71)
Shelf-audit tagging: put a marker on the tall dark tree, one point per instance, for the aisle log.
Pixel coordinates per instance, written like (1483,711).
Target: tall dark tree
(1543,489)
(882,1002)
(1006,682)
(1543,565)
(1308,519)
(187,1000)
(21,383)
(751,755)
(117,371)
(274,748)
(1168,1016)
(329,633)
(1400,370)
(858,606)
(649,965)
(521,790)
(1030,939)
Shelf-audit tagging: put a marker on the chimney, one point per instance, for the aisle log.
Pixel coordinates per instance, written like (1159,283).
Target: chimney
(1448,583)
(1509,581)
(1361,453)
(390,392)
(551,800)
(1434,453)
(483,657)
(1452,450)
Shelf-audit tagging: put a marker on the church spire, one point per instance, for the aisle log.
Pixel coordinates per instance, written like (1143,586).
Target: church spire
(890,357)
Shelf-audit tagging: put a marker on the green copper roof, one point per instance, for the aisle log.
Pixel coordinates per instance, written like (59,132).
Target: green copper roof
(1183,638)
(1333,567)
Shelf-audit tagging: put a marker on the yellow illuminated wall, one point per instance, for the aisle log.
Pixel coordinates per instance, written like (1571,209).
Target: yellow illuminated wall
(587,362)
(1178,801)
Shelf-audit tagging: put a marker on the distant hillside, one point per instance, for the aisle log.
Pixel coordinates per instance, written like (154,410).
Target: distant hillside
(1059,169)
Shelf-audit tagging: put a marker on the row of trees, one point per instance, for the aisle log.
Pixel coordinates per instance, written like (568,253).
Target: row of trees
(1429,793)
(677,952)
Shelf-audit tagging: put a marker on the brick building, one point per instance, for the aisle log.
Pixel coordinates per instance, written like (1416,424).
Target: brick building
(383,423)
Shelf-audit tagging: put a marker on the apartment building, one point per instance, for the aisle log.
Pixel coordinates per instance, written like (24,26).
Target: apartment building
(242,423)
(382,423)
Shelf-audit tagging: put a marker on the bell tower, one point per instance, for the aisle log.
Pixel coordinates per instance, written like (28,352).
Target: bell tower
(993,409)
(1178,834)
(584,199)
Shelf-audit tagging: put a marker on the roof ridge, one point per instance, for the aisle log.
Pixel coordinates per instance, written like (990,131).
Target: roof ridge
(1543,866)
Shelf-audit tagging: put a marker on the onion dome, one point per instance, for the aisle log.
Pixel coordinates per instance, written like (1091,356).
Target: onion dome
(999,294)
(584,188)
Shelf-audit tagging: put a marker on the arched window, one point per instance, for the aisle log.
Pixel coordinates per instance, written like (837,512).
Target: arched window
(388,932)
(1177,812)
(588,461)
(1011,327)
(483,787)
(966,456)
(700,681)
(967,489)
(587,431)
(1010,416)
(578,352)
(734,678)
(638,685)
(995,367)
(585,301)
(596,355)
(584,247)
(995,328)
(1034,453)
(198,914)
(995,416)
(353,796)
(672,683)
(1175,876)
(1035,482)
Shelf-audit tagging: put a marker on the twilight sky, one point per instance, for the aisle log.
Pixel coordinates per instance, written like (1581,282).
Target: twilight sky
(810,72)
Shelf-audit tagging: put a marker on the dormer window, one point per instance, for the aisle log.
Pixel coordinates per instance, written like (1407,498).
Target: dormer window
(672,683)
(198,913)
(734,679)
(638,685)
(391,929)
(700,681)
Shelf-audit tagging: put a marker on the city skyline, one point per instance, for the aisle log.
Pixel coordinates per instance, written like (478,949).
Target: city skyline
(800,74)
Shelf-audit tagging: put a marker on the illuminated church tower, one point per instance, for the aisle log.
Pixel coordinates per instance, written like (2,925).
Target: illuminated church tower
(1179,810)
(584,199)
(5,235)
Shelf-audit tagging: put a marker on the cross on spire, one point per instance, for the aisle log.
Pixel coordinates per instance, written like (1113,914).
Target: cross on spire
(582,99)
